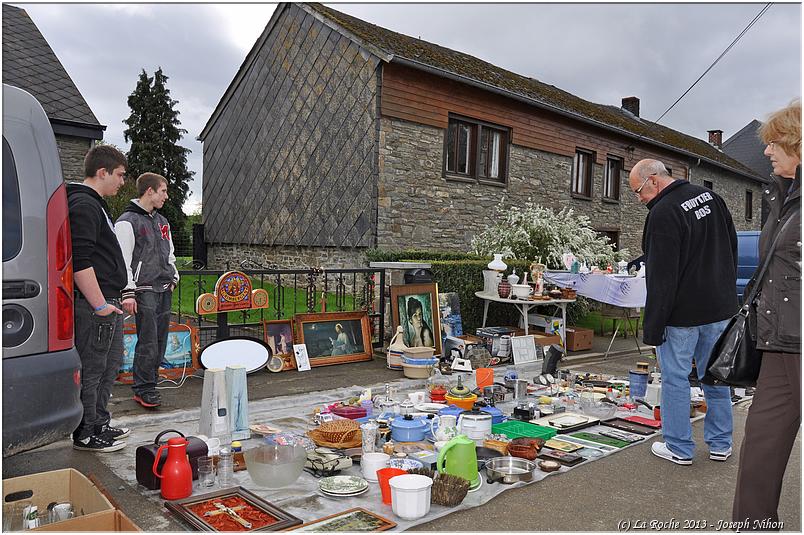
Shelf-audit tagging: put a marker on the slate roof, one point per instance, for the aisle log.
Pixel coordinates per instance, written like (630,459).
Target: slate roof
(746,147)
(396,45)
(30,64)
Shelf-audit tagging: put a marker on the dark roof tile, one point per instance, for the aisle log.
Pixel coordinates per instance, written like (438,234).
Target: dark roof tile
(30,64)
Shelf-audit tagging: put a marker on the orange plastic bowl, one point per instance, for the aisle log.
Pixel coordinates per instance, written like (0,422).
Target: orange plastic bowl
(464,403)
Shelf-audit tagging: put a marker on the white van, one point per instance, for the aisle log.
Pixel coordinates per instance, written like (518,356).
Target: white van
(41,367)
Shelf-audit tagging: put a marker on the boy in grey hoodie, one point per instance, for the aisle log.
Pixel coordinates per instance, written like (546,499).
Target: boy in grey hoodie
(147,245)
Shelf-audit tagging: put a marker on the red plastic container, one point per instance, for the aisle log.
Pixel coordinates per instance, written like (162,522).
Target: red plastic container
(353,413)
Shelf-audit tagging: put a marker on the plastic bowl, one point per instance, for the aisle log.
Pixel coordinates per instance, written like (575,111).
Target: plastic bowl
(597,409)
(273,465)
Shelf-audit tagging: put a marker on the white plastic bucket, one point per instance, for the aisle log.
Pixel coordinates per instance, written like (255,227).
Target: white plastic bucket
(410,495)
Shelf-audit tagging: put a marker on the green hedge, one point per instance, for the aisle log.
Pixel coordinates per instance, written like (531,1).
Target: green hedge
(462,273)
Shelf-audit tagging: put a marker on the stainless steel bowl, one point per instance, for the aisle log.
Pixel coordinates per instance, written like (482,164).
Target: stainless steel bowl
(509,470)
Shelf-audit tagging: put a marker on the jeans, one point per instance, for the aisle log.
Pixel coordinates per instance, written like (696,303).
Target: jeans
(153,321)
(99,341)
(681,345)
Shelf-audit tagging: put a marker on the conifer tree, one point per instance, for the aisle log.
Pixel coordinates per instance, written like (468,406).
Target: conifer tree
(154,131)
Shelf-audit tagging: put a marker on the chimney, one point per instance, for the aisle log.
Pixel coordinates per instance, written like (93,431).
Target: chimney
(716,138)
(631,104)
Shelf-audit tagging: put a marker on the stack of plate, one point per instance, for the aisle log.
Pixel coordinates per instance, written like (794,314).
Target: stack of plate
(343,486)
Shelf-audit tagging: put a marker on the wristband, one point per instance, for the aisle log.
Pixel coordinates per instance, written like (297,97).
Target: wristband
(104,305)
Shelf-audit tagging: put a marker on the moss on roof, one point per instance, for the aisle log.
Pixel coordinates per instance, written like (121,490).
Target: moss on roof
(467,66)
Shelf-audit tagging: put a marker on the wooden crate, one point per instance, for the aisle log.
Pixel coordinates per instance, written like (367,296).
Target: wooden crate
(579,339)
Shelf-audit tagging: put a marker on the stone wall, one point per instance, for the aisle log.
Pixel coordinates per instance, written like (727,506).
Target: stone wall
(71,152)
(419,208)
(284,257)
(733,192)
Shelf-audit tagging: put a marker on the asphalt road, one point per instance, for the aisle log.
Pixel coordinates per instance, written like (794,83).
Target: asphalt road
(632,486)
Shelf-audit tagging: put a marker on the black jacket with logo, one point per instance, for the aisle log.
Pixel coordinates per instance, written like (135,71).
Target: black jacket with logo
(690,247)
(94,241)
(779,304)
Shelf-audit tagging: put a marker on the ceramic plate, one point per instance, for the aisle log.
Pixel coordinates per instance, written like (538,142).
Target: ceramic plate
(568,421)
(334,495)
(429,407)
(341,485)
(405,464)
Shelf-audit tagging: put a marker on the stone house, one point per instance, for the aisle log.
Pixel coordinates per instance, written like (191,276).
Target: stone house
(337,135)
(746,147)
(30,64)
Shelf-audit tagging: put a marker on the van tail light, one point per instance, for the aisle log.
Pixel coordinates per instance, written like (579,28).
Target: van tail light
(59,273)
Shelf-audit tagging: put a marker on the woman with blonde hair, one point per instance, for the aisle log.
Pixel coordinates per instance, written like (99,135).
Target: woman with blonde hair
(775,414)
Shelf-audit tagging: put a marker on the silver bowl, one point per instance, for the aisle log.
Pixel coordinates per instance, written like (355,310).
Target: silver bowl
(509,470)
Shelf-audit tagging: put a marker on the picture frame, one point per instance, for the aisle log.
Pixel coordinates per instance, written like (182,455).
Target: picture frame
(302,358)
(524,350)
(188,509)
(278,334)
(181,354)
(417,299)
(334,337)
(356,519)
(449,307)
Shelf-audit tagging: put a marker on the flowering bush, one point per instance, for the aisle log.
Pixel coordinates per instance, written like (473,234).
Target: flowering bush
(533,232)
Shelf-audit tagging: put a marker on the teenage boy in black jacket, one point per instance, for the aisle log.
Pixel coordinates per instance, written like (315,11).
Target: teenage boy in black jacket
(690,247)
(100,275)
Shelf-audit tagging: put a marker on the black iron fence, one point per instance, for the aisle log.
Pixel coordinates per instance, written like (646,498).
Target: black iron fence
(291,291)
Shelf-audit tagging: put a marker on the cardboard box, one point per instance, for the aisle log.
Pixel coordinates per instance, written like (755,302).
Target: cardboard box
(545,340)
(92,508)
(579,338)
(114,520)
(550,324)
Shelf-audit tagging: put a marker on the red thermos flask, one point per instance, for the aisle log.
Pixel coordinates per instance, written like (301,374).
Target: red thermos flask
(176,476)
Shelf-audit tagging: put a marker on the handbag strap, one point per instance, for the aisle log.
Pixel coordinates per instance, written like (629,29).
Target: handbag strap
(761,273)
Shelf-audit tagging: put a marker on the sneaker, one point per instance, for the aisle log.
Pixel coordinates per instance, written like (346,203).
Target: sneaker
(720,455)
(114,433)
(98,443)
(148,400)
(659,449)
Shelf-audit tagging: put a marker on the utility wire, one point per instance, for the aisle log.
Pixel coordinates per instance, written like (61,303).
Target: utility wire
(745,30)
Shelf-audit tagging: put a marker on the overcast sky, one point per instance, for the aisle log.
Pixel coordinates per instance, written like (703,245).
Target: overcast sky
(600,52)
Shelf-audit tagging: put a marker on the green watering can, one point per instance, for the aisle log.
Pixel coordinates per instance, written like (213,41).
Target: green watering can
(458,458)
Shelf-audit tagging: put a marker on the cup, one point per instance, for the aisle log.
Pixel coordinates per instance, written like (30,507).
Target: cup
(206,473)
(369,431)
(416,397)
(213,445)
(371,462)
(61,511)
(383,475)
(638,384)
(225,468)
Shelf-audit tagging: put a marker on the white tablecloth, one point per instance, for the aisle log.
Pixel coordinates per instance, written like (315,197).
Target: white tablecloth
(619,291)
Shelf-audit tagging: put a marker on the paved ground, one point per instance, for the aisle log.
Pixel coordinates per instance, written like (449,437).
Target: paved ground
(631,486)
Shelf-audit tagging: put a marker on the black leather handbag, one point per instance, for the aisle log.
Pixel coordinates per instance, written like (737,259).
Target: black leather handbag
(146,454)
(735,360)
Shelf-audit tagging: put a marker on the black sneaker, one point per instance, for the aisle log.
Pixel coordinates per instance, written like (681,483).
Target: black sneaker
(114,433)
(149,400)
(98,443)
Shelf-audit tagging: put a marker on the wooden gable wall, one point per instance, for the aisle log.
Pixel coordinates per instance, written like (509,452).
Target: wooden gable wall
(424,98)
(291,160)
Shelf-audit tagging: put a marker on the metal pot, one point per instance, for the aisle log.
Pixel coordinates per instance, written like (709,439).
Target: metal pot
(509,470)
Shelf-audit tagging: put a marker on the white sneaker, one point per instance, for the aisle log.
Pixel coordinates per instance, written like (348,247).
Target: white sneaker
(660,449)
(720,455)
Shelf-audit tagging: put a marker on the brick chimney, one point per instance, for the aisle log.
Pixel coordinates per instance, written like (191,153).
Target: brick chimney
(716,138)
(631,104)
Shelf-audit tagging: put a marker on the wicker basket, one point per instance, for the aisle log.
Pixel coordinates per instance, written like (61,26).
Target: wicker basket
(448,490)
(337,434)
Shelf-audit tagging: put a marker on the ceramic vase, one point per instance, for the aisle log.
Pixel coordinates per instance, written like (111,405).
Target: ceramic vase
(497,264)
(513,278)
(504,289)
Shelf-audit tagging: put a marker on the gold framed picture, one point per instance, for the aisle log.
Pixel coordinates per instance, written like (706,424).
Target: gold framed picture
(334,337)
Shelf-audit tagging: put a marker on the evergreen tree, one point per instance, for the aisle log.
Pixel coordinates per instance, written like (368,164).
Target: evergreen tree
(154,131)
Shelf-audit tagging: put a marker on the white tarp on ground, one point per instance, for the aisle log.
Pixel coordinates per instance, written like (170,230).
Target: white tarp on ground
(292,413)
(629,292)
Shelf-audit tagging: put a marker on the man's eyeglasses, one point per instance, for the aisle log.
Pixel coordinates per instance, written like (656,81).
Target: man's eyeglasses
(639,189)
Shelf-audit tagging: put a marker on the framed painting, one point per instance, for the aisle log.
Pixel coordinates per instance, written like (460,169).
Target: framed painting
(232,509)
(278,334)
(351,520)
(334,337)
(449,308)
(180,358)
(415,308)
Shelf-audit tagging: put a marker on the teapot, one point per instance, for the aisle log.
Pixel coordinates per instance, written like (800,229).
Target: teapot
(446,429)
(459,458)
